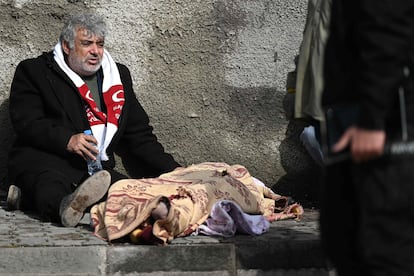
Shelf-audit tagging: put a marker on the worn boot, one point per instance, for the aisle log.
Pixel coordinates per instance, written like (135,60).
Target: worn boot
(89,192)
(14,197)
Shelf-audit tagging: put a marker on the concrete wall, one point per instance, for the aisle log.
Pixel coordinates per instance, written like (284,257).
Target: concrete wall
(212,74)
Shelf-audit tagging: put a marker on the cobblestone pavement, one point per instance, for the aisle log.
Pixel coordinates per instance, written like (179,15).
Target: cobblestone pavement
(19,229)
(289,244)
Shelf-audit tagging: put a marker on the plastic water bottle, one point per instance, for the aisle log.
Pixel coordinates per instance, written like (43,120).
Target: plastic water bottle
(93,165)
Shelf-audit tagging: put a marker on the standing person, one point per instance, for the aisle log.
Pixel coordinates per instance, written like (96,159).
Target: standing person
(54,98)
(367,213)
(309,80)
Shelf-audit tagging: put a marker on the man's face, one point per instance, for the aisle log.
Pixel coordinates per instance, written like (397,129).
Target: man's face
(86,56)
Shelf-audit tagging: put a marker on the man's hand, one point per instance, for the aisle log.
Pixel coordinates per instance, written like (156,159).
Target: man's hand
(364,144)
(83,145)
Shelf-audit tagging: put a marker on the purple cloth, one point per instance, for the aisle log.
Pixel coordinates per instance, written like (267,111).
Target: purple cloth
(226,219)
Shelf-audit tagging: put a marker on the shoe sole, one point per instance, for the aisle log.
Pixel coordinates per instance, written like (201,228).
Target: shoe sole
(13,198)
(88,193)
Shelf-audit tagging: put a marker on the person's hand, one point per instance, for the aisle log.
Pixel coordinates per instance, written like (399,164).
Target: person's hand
(364,144)
(83,145)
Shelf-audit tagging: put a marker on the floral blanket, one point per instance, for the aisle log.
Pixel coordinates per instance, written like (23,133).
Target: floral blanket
(189,193)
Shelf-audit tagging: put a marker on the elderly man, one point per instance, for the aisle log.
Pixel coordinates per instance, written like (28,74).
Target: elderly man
(56,97)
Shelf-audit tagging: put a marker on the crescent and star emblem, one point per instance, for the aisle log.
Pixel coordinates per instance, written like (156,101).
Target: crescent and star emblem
(115,97)
(88,95)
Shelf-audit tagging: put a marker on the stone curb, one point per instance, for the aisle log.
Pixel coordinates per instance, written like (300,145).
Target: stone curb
(31,247)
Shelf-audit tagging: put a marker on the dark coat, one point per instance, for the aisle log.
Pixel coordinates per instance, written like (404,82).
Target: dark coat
(46,110)
(369,45)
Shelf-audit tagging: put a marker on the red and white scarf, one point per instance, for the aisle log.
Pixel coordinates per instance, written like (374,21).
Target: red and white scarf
(104,126)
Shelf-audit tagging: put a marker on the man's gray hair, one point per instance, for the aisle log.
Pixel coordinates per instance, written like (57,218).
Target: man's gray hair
(94,24)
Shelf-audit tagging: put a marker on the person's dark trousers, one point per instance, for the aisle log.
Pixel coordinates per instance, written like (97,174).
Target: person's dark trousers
(367,217)
(338,212)
(43,191)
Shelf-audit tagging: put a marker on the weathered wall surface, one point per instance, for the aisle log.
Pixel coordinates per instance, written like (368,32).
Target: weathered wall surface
(211,74)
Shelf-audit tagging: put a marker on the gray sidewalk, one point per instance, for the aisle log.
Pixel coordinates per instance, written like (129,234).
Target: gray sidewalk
(28,246)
